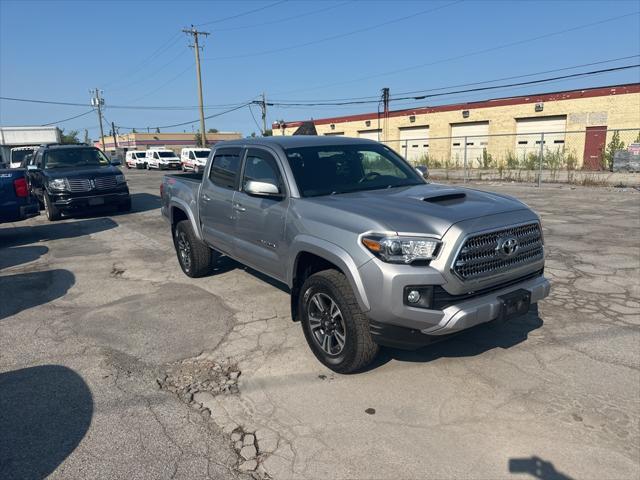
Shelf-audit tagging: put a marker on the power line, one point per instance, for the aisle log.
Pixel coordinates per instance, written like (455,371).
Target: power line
(68,119)
(466,55)
(371,97)
(237,107)
(242,14)
(282,20)
(335,37)
(254,118)
(422,97)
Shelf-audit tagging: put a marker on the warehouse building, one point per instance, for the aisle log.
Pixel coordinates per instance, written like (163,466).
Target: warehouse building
(173,141)
(577,126)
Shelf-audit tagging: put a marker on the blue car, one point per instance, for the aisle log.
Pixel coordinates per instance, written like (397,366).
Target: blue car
(16,200)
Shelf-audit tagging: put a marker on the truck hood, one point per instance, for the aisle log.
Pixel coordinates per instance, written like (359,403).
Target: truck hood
(81,172)
(422,209)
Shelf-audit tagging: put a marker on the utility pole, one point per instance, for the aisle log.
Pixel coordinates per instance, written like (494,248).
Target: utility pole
(115,140)
(385,103)
(263,105)
(98,102)
(196,47)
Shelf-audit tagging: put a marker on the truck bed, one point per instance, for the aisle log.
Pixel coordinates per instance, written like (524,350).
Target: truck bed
(188,176)
(14,208)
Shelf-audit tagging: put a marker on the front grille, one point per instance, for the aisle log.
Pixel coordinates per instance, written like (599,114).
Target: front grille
(479,256)
(105,183)
(76,185)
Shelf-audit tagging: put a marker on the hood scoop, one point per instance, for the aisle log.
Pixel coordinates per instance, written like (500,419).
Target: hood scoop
(450,198)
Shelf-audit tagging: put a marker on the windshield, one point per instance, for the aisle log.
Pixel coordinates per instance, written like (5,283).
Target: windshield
(327,170)
(139,155)
(201,153)
(17,156)
(166,154)
(74,157)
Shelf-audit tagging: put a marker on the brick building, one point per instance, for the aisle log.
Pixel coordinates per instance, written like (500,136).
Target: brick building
(173,141)
(578,124)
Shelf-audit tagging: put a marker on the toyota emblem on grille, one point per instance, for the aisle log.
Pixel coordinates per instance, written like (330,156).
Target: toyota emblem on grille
(507,246)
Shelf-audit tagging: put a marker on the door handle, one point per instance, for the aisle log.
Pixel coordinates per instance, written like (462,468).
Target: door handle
(239,208)
(206,198)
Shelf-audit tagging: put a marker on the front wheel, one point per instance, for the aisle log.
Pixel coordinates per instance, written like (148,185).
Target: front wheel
(195,258)
(334,326)
(53,213)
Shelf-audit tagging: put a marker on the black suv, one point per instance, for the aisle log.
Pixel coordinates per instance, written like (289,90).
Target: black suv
(67,178)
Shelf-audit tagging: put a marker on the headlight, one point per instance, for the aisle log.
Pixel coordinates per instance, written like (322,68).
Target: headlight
(402,249)
(58,184)
(120,179)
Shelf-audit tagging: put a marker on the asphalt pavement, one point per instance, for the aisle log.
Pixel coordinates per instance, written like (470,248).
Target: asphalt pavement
(113,364)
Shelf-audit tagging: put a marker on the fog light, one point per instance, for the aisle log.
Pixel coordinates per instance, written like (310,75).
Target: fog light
(413,296)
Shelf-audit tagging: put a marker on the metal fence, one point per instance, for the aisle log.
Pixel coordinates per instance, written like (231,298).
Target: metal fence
(562,156)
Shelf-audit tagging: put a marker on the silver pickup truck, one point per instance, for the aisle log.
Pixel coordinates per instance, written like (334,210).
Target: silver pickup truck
(371,253)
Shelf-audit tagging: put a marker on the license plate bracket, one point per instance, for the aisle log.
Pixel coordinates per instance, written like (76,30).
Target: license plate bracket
(96,201)
(514,304)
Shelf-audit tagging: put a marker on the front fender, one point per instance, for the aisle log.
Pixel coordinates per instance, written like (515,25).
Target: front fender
(334,254)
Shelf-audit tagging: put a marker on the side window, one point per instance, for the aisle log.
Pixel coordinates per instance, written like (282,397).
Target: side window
(37,160)
(261,167)
(191,156)
(155,155)
(225,167)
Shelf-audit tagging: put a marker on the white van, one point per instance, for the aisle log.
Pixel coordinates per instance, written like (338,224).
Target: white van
(135,159)
(18,154)
(161,158)
(194,158)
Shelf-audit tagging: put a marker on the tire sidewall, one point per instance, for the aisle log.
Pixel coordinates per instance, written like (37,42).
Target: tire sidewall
(318,284)
(180,228)
(49,209)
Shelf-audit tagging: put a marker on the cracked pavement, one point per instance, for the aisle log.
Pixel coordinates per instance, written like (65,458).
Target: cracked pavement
(96,310)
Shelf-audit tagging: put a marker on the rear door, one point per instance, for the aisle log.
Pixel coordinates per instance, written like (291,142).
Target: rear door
(216,199)
(260,220)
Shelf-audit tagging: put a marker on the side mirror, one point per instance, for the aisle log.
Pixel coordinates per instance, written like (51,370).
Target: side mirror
(32,168)
(262,189)
(115,163)
(422,170)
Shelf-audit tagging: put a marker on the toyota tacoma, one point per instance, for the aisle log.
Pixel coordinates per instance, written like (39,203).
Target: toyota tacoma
(371,253)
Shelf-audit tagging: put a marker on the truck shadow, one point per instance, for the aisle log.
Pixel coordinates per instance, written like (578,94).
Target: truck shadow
(13,256)
(45,412)
(27,290)
(537,468)
(469,343)
(143,202)
(24,235)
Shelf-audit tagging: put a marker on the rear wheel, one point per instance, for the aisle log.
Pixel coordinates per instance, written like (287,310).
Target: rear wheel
(334,326)
(53,213)
(195,258)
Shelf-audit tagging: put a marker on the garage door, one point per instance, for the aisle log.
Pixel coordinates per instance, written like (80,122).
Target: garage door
(370,134)
(477,140)
(414,143)
(528,132)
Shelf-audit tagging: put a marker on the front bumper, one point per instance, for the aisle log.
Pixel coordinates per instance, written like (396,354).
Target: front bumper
(64,202)
(395,324)
(177,165)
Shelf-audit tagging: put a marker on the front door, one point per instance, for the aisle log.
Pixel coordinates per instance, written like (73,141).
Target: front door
(594,141)
(260,220)
(216,199)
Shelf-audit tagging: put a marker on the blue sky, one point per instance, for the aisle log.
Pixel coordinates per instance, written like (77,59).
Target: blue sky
(135,52)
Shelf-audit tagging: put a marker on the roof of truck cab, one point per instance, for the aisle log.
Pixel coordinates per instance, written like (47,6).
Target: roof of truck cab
(296,141)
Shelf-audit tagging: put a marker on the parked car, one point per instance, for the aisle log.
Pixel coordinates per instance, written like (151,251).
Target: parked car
(68,178)
(194,158)
(371,253)
(16,201)
(136,159)
(162,159)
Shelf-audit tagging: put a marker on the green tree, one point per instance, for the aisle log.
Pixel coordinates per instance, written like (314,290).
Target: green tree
(71,137)
(212,130)
(268,132)
(133,130)
(157,130)
(610,150)
(198,139)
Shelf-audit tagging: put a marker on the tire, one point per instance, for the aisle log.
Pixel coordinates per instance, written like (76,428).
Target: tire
(147,166)
(358,349)
(195,258)
(53,213)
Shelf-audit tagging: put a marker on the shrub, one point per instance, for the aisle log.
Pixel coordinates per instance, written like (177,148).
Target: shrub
(487,159)
(610,150)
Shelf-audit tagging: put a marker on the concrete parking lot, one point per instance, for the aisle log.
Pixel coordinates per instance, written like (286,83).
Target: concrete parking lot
(113,364)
